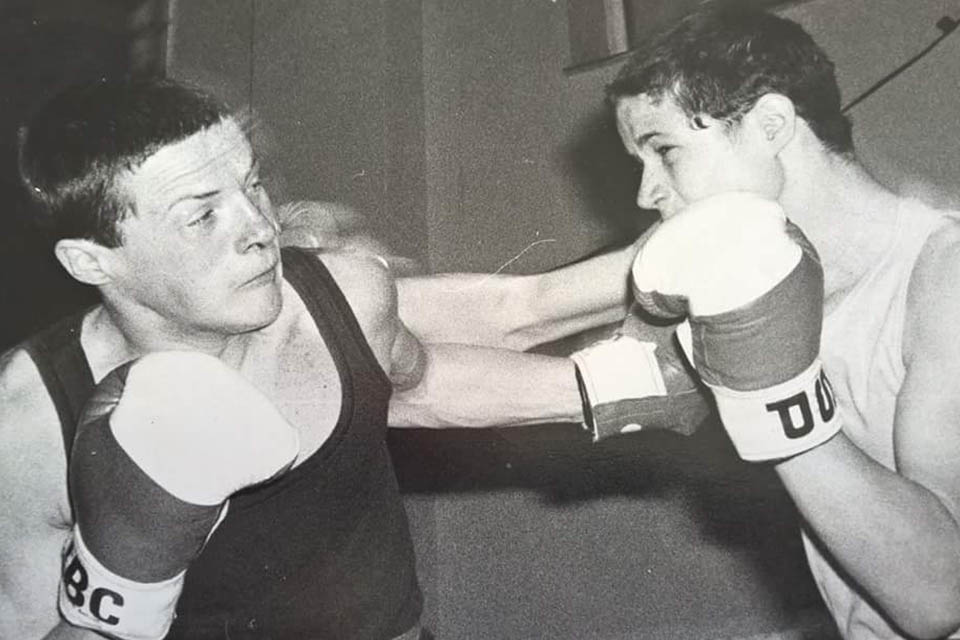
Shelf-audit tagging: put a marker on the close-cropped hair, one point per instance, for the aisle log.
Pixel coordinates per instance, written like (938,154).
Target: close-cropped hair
(721,59)
(76,146)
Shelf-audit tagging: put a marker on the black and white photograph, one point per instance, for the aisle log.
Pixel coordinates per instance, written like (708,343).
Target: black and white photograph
(479,320)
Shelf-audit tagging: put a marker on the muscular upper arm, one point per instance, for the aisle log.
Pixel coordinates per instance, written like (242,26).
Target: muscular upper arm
(927,428)
(518,312)
(34,497)
(370,289)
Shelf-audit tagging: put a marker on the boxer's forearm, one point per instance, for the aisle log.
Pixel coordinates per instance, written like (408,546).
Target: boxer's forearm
(893,536)
(466,386)
(578,297)
(517,312)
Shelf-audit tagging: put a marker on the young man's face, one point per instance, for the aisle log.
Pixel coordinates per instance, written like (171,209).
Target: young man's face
(200,251)
(682,163)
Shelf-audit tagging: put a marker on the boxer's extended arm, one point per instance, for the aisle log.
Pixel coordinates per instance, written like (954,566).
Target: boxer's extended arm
(36,515)
(518,312)
(629,382)
(451,384)
(468,386)
(911,519)
(458,385)
(496,310)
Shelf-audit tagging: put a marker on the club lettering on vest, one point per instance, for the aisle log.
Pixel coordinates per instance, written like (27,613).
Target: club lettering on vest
(825,399)
(782,408)
(96,601)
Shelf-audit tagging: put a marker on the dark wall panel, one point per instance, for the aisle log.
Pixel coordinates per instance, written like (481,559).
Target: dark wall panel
(46,45)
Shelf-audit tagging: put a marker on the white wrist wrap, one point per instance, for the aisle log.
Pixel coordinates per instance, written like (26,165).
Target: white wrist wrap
(783,420)
(93,597)
(620,368)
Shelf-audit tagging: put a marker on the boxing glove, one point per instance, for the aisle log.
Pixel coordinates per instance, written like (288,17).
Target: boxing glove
(638,379)
(330,226)
(314,225)
(161,445)
(751,286)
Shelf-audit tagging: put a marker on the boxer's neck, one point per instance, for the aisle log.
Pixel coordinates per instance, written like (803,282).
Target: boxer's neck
(110,339)
(849,216)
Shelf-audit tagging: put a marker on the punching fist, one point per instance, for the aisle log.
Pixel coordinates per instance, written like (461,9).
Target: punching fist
(315,225)
(161,445)
(638,379)
(752,288)
(331,226)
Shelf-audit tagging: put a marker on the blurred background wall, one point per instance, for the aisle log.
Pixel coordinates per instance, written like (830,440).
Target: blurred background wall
(44,46)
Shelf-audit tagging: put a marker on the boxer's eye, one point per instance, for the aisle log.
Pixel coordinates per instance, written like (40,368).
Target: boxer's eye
(664,150)
(204,217)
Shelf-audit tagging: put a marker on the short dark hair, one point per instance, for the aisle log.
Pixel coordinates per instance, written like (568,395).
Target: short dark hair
(76,146)
(722,58)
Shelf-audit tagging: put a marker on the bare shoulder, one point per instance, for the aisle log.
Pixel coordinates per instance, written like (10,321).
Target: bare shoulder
(926,437)
(933,297)
(944,238)
(369,287)
(32,457)
(36,507)
(365,279)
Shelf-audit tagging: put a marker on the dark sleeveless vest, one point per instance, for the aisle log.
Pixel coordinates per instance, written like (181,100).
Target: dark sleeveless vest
(325,551)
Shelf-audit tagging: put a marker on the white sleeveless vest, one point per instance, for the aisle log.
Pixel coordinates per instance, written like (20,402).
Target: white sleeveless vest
(861,352)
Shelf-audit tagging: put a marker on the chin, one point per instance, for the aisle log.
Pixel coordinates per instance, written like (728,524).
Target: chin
(270,310)
(257,312)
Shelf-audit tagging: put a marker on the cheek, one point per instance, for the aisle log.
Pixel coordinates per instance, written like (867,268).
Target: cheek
(763,176)
(709,174)
(698,179)
(182,276)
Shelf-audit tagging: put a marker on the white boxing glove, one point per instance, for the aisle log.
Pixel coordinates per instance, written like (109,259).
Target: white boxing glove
(161,445)
(751,286)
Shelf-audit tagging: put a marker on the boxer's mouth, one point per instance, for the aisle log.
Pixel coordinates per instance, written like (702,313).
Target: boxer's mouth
(264,277)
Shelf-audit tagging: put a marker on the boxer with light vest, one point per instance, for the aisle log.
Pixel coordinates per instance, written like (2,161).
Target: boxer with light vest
(837,366)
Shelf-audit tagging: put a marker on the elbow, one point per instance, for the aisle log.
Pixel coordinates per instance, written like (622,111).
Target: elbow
(416,408)
(409,408)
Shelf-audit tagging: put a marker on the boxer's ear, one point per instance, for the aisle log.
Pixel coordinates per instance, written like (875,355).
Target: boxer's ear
(84,260)
(775,119)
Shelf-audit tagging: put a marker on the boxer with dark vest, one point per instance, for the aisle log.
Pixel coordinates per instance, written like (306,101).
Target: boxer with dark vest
(203,454)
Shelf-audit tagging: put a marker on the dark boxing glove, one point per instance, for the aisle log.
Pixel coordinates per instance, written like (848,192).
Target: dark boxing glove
(638,380)
(752,288)
(161,445)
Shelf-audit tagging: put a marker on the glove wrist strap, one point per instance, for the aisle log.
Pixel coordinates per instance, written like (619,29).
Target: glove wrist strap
(93,597)
(611,372)
(783,420)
